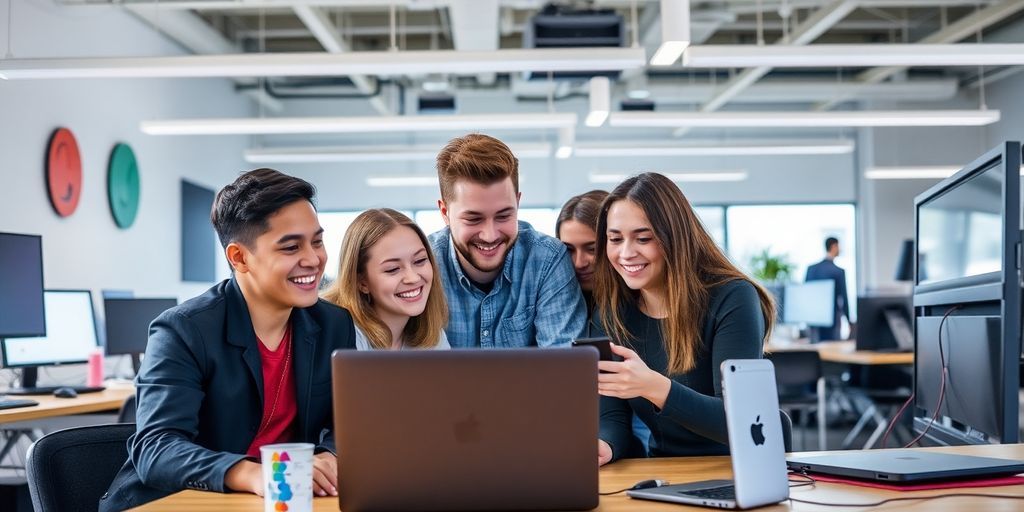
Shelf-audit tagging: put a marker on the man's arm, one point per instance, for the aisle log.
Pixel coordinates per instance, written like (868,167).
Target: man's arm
(170,391)
(561,314)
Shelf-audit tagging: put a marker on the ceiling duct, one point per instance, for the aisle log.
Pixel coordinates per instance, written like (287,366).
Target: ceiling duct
(561,27)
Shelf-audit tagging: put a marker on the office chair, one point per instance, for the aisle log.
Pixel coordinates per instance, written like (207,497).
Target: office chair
(127,412)
(787,431)
(797,373)
(69,470)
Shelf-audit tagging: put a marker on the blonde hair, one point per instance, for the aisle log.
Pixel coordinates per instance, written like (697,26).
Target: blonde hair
(422,331)
(693,265)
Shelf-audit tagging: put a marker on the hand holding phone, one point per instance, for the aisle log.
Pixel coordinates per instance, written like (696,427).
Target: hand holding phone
(603,346)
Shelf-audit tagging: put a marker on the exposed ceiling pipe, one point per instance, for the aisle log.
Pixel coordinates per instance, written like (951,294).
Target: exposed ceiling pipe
(196,36)
(327,34)
(961,29)
(809,30)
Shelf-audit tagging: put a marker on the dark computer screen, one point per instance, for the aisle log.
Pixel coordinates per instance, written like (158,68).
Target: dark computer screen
(70,336)
(875,329)
(812,303)
(21,286)
(128,322)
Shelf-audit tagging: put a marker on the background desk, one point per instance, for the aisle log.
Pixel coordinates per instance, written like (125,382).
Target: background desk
(625,473)
(845,352)
(109,399)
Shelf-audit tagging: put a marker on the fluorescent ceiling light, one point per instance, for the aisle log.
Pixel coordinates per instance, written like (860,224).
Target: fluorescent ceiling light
(330,64)
(566,140)
(804,119)
(853,55)
(268,125)
(675,32)
(600,101)
(308,154)
(699,177)
(402,181)
(734,148)
(932,172)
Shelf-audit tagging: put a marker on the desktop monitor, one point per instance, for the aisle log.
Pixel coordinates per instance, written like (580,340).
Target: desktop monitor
(811,303)
(884,323)
(21,286)
(967,303)
(70,336)
(128,323)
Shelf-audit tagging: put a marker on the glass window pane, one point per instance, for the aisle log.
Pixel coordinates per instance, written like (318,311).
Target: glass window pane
(713,218)
(542,219)
(799,233)
(430,221)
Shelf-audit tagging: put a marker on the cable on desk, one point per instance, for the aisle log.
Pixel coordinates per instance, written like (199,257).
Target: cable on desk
(643,484)
(808,480)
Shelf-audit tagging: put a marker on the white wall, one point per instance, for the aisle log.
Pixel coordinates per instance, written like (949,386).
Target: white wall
(87,250)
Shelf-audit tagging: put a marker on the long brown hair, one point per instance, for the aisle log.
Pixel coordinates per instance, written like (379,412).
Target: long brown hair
(423,331)
(693,265)
(583,208)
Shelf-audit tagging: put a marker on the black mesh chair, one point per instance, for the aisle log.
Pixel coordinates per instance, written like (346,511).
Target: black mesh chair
(69,470)
(801,382)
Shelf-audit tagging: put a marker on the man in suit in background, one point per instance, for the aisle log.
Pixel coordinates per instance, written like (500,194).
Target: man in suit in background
(827,269)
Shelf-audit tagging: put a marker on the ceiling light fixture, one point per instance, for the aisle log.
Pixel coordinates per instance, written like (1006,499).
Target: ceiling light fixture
(309,154)
(675,32)
(600,101)
(733,148)
(853,55)
(402,181)
(692,177)
(827,119)
(566,140)
(329,64)
(286,125)
(928,172)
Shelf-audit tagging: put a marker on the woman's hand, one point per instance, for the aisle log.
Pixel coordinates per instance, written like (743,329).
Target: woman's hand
(604,453)
(325,474)
(631,378)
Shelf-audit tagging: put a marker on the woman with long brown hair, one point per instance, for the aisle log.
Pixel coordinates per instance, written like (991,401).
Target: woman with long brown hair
(668,293)
(576,227)
(386,280)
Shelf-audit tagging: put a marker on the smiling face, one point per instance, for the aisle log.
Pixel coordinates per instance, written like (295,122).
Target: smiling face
(283,267)
(483,221)
(398,275)
(633,251)
(581,241)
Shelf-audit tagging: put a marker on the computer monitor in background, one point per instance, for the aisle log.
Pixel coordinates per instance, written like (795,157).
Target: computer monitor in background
(811,303)
(967,303)
(128,324)
(70,338)
(884,323)
(21,286)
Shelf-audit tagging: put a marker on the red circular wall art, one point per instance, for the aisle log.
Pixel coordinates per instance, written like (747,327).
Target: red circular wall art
(63,172)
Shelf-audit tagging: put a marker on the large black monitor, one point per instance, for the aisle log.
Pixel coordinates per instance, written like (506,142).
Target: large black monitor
(21,286)
(127,322)
(967,303)
(70,336)
(884,323)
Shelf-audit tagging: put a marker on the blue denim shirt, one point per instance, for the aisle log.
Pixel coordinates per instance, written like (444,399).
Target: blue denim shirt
(535,301)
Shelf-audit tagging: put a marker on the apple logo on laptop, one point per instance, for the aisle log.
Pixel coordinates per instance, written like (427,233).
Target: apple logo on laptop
(467,430)
(756,431)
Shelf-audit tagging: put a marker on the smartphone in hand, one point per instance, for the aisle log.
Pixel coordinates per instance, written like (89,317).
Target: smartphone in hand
(603,346)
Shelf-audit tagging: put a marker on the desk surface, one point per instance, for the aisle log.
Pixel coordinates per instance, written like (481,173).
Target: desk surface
(846,352)
(49,405)
(677,470)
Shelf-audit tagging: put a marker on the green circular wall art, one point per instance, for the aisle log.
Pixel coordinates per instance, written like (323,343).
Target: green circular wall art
(123,185)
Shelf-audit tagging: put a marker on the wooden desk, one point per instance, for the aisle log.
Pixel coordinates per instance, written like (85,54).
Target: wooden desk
(109,399)
(679,470)
(846,352)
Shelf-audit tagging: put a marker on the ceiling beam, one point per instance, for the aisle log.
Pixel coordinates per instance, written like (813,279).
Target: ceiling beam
(317,21)
(961,29)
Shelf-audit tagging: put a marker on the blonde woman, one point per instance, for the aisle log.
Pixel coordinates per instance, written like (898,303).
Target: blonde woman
(386,280)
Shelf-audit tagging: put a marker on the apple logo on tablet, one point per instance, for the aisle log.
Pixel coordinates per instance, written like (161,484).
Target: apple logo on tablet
(757,431)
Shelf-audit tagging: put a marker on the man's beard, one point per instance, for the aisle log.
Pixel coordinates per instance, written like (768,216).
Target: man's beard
(471,258)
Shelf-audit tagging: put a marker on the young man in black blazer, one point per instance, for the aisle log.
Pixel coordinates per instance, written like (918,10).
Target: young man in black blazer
(245,364)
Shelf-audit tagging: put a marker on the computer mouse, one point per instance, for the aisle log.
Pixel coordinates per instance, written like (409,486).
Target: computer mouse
(65,392)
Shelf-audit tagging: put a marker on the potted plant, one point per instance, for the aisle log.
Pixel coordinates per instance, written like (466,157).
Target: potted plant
(769,268)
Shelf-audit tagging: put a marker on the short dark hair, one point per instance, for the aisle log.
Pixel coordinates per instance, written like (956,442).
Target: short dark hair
(241,209)
(831,242)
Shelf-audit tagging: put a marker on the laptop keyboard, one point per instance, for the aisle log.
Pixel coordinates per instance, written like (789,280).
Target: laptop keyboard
(726,492)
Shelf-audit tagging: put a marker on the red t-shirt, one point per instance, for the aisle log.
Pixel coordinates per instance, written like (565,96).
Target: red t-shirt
(279,405)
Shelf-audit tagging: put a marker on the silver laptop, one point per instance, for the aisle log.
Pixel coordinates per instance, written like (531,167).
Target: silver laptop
(904,466)
(466,429)
(755,443)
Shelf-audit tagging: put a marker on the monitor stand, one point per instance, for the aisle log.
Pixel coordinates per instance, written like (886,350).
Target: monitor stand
(29,376)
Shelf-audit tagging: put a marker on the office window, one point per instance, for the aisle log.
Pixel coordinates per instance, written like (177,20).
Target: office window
(713,218)
(799,232)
